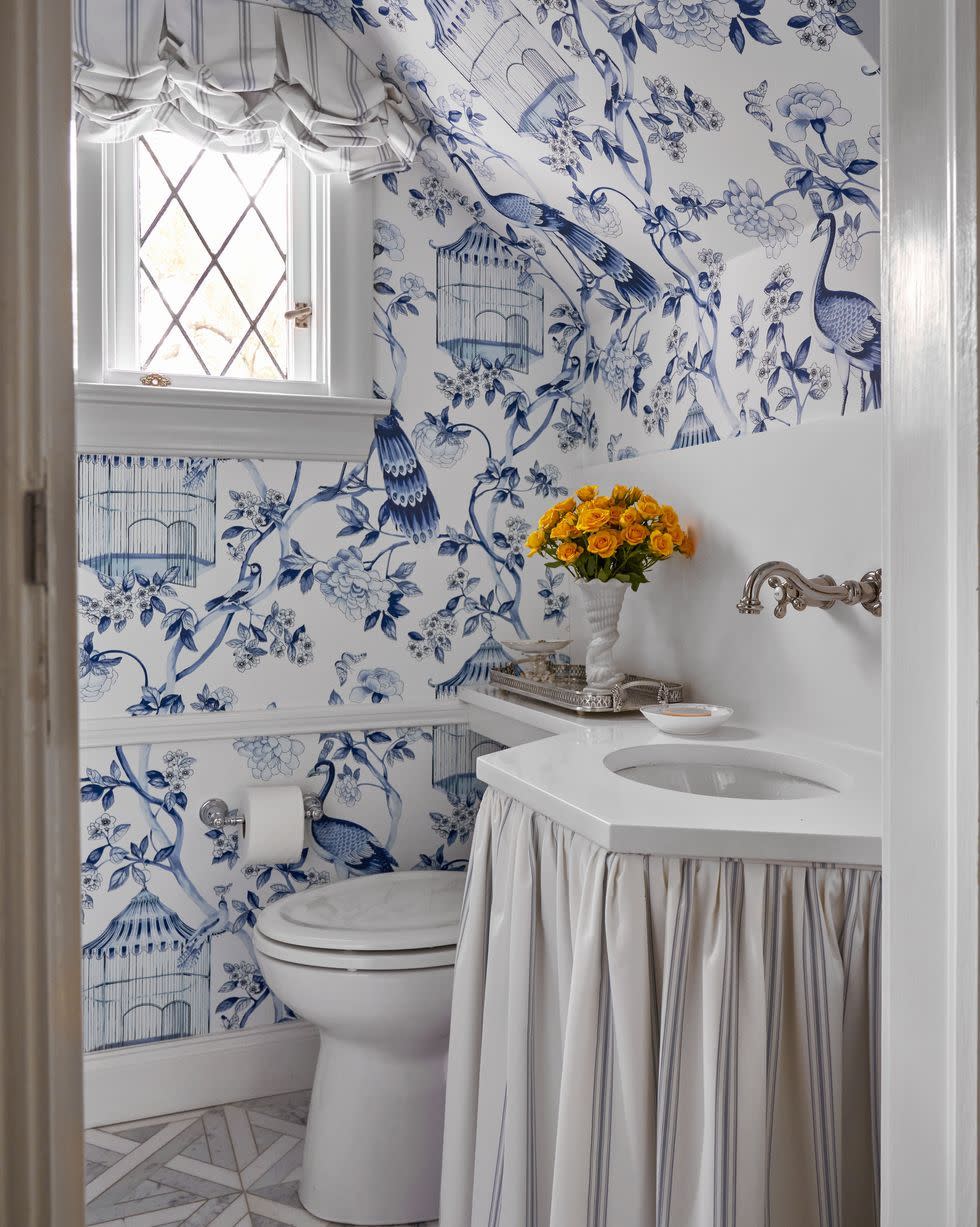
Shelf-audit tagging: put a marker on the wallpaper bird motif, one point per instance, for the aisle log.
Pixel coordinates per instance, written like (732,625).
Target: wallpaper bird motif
(168,905)
(631,227)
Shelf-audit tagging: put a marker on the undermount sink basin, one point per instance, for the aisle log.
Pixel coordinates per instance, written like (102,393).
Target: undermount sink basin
(728,772)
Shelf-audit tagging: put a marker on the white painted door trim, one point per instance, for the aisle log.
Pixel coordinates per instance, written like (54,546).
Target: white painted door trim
(930,981)
(41,1170)
(929,1071)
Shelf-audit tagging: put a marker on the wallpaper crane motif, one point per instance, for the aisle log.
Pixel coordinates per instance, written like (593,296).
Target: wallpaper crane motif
(850,325)
(175,957)
(625,300)
(651,172)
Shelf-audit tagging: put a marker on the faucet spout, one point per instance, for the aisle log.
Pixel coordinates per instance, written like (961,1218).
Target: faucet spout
(792,588)
(787,582)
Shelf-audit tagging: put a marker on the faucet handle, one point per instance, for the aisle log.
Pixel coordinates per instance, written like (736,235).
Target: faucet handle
(871,586)
(792,588)
(789,593)
(786,593)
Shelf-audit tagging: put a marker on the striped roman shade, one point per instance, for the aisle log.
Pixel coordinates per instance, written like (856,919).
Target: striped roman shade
(236,76)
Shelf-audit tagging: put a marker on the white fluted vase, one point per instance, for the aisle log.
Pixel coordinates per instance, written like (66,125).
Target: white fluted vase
(602,603)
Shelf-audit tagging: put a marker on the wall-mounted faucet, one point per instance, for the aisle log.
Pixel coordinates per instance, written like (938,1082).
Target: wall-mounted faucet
(793,588)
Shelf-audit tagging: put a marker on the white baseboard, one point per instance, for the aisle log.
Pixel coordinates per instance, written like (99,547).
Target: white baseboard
(177,1075)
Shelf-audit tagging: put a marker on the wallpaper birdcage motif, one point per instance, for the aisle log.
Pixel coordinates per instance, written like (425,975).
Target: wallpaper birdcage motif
(488,304)
(455,749)
(507,60)
(146,514)
(134,987)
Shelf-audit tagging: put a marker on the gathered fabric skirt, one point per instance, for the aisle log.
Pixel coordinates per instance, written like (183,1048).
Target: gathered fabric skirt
(646,1041)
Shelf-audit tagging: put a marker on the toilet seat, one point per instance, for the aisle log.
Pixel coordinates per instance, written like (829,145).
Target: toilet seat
(383,922)
(355,960)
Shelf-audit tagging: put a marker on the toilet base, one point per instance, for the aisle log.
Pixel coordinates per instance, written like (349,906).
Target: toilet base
(379,1163)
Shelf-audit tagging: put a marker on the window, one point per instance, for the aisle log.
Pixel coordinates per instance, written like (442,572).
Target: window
(214,234)
(202,253)
(187,261)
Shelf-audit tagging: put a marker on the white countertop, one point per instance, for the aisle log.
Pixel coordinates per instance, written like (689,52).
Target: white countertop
(564,776)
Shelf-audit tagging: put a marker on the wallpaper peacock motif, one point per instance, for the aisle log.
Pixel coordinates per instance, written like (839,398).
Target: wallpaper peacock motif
(631,227)
(698,180)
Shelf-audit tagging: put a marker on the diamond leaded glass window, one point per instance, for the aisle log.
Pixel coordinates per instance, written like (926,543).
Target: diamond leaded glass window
(212,260)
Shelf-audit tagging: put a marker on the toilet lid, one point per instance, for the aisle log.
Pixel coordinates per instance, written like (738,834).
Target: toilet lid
(384,911)
(352,960)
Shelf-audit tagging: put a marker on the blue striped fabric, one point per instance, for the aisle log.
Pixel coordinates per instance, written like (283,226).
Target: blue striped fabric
(696,1041)
(493,1217)
(601,1112)
(726,1089)
(671,1035)
(773,964)
(235,76)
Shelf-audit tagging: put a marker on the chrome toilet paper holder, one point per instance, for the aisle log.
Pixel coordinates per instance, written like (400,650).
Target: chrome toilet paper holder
(216,815)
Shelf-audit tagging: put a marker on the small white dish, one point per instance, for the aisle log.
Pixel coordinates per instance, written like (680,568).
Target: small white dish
(687,719)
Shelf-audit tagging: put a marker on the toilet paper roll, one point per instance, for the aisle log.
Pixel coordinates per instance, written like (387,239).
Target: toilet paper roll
(274,831)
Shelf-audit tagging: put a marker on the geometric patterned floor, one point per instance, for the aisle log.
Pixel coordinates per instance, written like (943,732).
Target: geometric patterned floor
(236,1166)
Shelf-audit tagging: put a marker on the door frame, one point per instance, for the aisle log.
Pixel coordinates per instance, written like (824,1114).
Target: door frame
(930,846)
(930,855)
(41,1171)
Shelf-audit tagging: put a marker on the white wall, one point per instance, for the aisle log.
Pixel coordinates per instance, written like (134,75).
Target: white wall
(811,498)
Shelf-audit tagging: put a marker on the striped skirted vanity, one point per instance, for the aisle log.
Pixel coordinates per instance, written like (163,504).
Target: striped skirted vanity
(666,1004)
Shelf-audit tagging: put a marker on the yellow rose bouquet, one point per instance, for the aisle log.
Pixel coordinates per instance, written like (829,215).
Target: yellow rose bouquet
(620,535)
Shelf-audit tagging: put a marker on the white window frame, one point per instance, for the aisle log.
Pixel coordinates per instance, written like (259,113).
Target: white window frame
(329,255)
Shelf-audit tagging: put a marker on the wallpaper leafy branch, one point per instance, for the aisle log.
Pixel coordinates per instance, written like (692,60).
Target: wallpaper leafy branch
(614,121)
(177,959)
(631,227)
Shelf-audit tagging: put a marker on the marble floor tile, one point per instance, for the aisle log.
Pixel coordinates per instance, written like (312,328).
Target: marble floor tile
(231,1166)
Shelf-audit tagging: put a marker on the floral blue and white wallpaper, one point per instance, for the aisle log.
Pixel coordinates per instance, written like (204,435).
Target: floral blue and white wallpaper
(169,906)
(631,227)
(694,183)
(214,586)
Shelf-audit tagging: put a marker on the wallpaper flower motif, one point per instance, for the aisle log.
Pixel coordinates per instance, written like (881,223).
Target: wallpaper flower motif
(630,227)
(626,99)
(151,868)
(322,564)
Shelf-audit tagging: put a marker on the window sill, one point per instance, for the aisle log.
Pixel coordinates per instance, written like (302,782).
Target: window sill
(137,420)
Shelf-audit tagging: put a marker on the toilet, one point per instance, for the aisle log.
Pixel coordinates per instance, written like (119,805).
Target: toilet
(369,961)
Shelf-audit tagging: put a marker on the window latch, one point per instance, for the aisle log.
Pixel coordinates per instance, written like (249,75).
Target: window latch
(301,314)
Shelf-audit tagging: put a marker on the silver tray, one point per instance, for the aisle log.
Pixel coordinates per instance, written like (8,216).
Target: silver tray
(566,688)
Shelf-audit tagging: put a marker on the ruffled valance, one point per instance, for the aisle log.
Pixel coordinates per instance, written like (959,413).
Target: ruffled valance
(238,77)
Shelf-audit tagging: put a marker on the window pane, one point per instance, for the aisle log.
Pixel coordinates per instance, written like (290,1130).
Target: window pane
(212,260)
